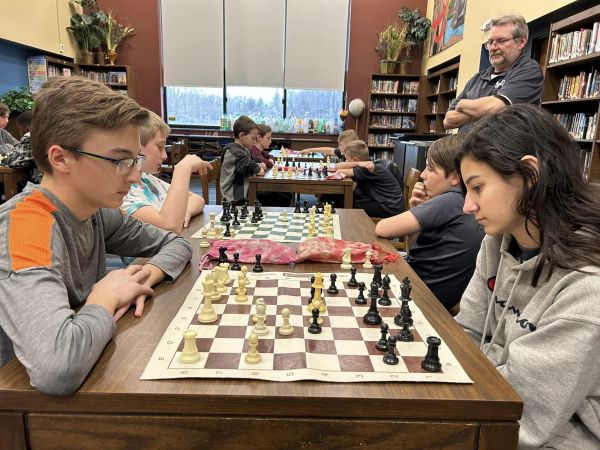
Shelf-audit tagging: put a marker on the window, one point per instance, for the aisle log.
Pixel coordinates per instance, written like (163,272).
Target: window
(312,103)
(256,102)
(194,105)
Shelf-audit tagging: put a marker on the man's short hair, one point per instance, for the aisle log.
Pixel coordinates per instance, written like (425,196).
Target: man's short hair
(520,31)
(263,130)
(357,149)
(347,136)
(4,110)
(442,153)
(69,109)
(152,127)
(243,124)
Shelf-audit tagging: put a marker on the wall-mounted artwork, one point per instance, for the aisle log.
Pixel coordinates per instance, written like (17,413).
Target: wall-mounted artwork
(448,24)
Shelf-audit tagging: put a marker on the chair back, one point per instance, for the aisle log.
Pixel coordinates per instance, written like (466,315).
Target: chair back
(412,177)
(212,175)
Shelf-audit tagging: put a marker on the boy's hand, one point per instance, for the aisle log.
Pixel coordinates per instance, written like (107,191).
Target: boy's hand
(419,195)
(369,165)
(120,288)
(263,166)
(195,164)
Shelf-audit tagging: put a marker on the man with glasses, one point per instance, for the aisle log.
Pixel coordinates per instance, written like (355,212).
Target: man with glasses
(58,306)
(511,78)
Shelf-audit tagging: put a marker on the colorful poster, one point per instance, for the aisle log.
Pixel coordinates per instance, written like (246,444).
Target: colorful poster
(448,24)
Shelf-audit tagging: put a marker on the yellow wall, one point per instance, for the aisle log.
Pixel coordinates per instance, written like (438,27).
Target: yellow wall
(478,11)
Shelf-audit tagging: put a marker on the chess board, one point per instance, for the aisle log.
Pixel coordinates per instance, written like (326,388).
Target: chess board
(343,352)
(271,227)
(302,174)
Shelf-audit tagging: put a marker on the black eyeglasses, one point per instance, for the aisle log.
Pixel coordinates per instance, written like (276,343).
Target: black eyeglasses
(498,42)
(123,165)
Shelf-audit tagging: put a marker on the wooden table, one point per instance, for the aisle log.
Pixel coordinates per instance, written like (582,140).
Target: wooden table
(282,183)
(114,409)
(9,178)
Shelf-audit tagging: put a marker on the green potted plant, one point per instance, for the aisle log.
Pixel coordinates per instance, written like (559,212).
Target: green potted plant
(17,101)
(88,27)
(416,30)
(391,43)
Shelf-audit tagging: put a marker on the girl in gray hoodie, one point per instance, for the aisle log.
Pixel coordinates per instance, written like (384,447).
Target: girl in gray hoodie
(533,304)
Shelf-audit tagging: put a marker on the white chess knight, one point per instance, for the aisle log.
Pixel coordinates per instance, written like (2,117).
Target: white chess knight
(284,217)
(367,264)
(347,259)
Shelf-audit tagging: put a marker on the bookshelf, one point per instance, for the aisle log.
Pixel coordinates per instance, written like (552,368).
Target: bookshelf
(393,105)
(438,91)
(116,77)
(40,68)
(572,83)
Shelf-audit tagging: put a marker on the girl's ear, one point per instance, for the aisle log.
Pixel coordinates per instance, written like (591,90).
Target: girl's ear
(532,161)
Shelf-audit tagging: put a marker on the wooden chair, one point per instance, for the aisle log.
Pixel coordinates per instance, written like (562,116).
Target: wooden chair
(212,175)
(175,152)
(412,177)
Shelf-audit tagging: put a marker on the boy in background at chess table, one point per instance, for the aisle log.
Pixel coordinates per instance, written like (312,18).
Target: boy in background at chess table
(237,163)
(376,191)
(344,138)
(21,156)
(7,140)
(443,240)
(164,205)
(532,305)
(58,306)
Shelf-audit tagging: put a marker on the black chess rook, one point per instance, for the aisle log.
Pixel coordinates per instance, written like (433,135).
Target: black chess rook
(431,362)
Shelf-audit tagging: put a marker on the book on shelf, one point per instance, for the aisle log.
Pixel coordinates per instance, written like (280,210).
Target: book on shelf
(383,154)
(384,86)
(452,83)
(579,125)
(576,43)
(432,125)
(584,85)
(37,71)
(585,159)
(408,122)
(410,87)
(412,105)
(66,72)
(380,140)
(434,107)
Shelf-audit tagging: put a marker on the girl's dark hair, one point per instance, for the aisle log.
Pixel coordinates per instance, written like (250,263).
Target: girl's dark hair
(556,199)
(263,129)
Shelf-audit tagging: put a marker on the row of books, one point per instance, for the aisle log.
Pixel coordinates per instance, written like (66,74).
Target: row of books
(380,139)
(382,154)
(432,125)
(584,85)
(106,77)
(394,87)
(394,104)
(585,159)
(452,84)
(579,125)
(576,43)
(387,121)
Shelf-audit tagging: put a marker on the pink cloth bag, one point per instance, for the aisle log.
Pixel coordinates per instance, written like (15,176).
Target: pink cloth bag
(325,249)
(271,252)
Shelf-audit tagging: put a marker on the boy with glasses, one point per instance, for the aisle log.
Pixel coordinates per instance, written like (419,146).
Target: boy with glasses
(512,77)
(58,306)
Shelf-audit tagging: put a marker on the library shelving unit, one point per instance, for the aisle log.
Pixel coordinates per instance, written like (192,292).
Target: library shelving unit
(437,92)
(116,77)
(40,68)
(572,83)
(393,106)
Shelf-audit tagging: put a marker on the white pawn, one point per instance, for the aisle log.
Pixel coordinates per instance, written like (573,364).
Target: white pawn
(211,226)
(219,233)
(218,273)
(347,259)
(260,328)
(241,289)
(286,329)
(253,357)
(244,273)
(190,354)
(203,240)
(367,264)
(259,301)
(284,217)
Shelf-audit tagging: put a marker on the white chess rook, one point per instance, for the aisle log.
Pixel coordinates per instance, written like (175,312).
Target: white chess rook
(190,354)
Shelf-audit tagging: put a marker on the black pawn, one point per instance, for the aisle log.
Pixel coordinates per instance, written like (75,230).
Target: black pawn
(319,207)
(310,171)
(254,218)
(257,266)
(390,357)
(333,288)
(324,171)
(372,316)
(352,282)
(377,275)
(222,255)
(244,213)
(332,207)
(361,300)
(235,216)
(297,209)
(312,289)
(382,344)
(315,328)
(431,363)
(236,264)
(227,230)
(405,335)
(305,210)
(384,300)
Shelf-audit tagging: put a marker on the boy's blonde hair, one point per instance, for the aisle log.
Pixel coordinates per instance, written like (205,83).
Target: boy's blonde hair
(357,149)
(152,127)
(347,136)
(443,152)
(69,109)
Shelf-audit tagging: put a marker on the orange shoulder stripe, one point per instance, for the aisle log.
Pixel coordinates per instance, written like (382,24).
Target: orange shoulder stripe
(30,230)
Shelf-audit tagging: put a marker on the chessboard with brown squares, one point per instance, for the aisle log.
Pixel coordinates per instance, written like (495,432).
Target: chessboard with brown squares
(267,327)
